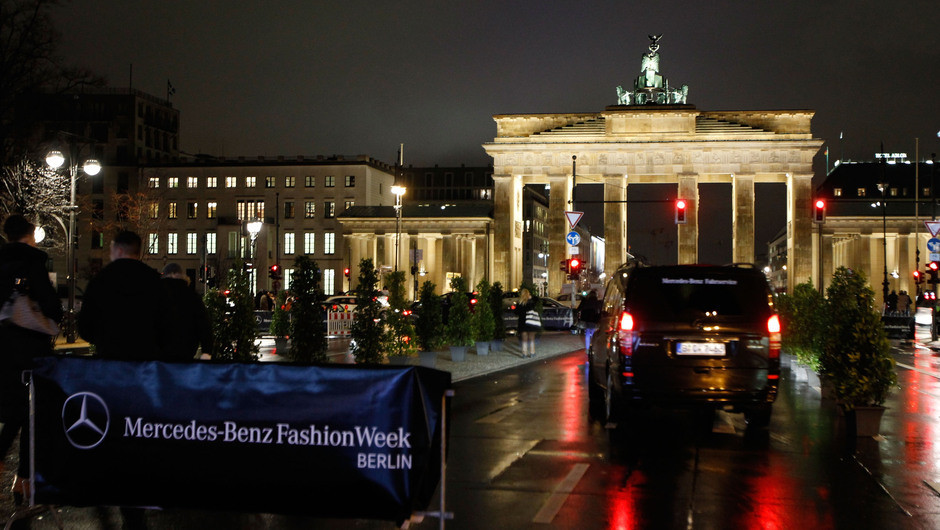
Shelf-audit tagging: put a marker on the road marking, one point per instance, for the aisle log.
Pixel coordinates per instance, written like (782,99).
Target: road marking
(504,464)
(935,486)
(918,370)
(498,416)
(779,438)
(554,503)
(723,423)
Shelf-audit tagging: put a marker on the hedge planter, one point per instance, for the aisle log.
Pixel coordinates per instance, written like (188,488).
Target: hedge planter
(428,358)
(483,348)
(496,345)
(458,354)
(280,346)
(865,420)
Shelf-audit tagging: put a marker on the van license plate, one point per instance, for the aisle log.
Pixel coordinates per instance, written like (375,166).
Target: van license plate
(700,348)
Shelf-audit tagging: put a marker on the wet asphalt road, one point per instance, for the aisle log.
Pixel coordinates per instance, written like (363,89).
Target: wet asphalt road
(525,454)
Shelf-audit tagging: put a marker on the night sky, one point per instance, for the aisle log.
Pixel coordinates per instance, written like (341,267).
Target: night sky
(355,77)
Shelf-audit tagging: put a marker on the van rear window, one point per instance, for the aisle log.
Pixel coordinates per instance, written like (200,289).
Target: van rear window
(681,298)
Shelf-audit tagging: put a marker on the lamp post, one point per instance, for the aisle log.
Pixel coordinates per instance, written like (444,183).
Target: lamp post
(90,167)
(883,187)
(397,191)
(254,228)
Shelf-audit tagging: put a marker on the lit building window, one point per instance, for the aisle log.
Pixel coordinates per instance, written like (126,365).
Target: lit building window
(309,242)
(154,210)
(329,243)
(192,243)
(329,209)
(329,181)
(173,182)
(310,181)
(350,181)
(251,182)
(289,210)
(925,192)
(171,210)
(328,281)
(288,182)
(172,241)
(192,182)
(231,182)
(288,275)
(310,209)
(153,243)
(289,243)
(837,192)
(154,182)
(349,204)
(210,242)
(212,182)
(268,182)
(191,210)
(212,209)
(249,209)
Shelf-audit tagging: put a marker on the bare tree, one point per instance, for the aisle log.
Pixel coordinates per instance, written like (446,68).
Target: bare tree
(40,194)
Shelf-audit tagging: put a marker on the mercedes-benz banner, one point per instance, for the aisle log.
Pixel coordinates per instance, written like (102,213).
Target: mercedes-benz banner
(330,441)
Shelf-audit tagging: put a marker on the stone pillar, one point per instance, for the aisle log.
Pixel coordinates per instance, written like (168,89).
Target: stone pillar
(559,195)
(433,264)
(507,238)
(688,232)
(743,218)
(615,223)
(800,229)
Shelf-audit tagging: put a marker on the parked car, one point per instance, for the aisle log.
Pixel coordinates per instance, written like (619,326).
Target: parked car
(686,336)
(555,315)
(347,303)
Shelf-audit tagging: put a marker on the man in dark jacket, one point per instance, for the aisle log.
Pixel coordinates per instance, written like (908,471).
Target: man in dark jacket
(589,314)
(185,321)
(121,308)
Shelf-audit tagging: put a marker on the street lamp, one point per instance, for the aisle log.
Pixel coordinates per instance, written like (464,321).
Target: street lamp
(254,228)
(883,187)
(397,191)
(90,167)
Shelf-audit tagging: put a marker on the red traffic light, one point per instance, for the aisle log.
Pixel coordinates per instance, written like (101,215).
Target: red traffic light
(819,210)
(574,266)
(933,265)
(681,206)
(346,272)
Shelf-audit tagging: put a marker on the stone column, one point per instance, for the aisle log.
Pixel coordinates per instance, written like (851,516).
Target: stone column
(507,237)
(800,229)
(743,218)
(615,223)
(559,195)
(688,232)
(432,261)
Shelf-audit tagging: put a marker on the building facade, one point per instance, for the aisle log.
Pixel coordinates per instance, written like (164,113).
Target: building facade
(197,214)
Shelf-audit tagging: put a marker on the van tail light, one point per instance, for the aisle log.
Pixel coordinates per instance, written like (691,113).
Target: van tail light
(626,334)
(626,322)
(773,327)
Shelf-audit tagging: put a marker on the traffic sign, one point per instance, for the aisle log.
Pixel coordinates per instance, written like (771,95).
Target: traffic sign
(573,238)
(933,245)
(933,227)
(573,218)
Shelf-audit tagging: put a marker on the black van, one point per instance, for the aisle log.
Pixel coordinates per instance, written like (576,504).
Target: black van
(685,336)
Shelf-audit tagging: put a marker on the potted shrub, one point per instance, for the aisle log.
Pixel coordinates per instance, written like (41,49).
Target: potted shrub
(804,317)
(232,314)
(280,324)
(458,330)
(482,318)
(308,342)
(429,326)
(496,308)
(856,354)
(401,344)
(369,335)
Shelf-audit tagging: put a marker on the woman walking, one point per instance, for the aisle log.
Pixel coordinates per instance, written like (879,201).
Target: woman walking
(23,270)
(530,322)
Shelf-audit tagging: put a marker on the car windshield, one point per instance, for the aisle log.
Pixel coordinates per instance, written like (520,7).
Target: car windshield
(684,295)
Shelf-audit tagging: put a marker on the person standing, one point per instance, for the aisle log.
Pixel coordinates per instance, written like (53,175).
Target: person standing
(121,309)
(589,313)
(184,320)
(529,322)
(22,268)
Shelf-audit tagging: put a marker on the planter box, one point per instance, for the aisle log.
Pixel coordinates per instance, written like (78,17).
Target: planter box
(496,345)
(483,348)
(866,420)
(428,358)
(458,354)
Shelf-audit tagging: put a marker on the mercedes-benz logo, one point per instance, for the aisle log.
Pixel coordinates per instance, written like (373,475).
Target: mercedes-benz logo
(85,419)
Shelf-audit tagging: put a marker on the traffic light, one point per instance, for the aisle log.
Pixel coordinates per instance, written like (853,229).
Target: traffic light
(346,272)
(932,271)
(917,278)
(563,265)
(819,210)
(574,267)
(681,206)
(274,272)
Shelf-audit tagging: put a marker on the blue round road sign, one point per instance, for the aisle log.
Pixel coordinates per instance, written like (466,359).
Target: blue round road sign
(933,244)
(573,238)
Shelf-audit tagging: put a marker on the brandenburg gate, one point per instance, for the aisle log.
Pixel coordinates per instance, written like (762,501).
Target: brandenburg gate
(652,136)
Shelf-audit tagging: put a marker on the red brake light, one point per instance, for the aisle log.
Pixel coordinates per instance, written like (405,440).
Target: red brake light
(773,324)
(626,322)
